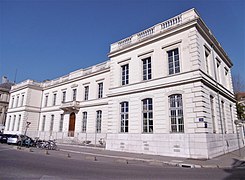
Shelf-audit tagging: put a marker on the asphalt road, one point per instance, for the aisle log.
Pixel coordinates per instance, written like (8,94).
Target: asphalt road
(22,164)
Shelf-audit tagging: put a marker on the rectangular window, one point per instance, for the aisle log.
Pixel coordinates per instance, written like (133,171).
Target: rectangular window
(124,117)
(207,54)
(100,90)
(125,74)
(86,92)
(232,123)
(98,121)
(43,123)
(61,122)
(18,125)
(176,113)
(54,99)
(146,68)
(74,95)
(22,99)
(173,61)
(84,123)
(227,78)
(13,124)
(147,114)
(9,123)
(63,96)
(12,103)
(218,62)
(223,116)
(52,123)
(46,101)
(17,102)
(212,113)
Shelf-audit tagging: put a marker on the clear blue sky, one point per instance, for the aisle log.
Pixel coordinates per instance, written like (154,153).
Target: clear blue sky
(45,39)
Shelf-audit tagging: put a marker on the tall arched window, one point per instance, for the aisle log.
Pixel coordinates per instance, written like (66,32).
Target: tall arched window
(124,116)
(147,113)
(176,113)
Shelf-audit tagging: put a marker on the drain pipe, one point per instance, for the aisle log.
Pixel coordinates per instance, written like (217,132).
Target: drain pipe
(218,95)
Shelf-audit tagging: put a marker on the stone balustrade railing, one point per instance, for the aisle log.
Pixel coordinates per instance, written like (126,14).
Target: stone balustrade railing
(158,28)
(26,82)
(72,75)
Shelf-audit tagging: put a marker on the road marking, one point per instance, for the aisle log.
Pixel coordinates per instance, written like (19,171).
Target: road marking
(6,149)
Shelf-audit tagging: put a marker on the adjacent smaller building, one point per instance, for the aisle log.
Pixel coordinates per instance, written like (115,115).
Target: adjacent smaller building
(5,87)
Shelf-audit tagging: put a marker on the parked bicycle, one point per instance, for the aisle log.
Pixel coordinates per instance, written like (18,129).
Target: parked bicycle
(49,145)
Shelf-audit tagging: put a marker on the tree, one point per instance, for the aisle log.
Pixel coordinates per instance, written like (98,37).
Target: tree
(238,83)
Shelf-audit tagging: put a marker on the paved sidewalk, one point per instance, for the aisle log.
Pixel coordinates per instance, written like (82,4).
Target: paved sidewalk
(230,160)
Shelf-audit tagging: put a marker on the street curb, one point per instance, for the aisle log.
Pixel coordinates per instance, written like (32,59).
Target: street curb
(151,162)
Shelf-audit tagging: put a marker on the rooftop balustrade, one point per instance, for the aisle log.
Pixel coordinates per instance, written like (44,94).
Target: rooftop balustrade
(156,29)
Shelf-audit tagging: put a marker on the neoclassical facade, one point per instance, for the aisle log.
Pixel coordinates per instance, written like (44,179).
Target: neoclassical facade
(166,90)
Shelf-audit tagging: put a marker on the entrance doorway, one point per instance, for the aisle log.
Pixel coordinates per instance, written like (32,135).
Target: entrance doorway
(72,124)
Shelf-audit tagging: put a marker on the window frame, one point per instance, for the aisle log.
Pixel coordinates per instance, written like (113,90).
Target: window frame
(176,113)
(98,121)
(174,60)
(84,122)
(146,62)
(61,122)
(124,74)
(86,93)
(147,115)
(74,94)
(100,90)
(124,117)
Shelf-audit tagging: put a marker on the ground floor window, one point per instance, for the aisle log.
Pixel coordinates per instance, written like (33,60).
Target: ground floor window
(98,121)
(176,113)
(147,114)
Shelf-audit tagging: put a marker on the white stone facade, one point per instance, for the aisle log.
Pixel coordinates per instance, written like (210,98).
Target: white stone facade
(166,90)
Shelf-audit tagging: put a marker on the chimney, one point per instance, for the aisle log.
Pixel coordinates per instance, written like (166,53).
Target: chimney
(4,79)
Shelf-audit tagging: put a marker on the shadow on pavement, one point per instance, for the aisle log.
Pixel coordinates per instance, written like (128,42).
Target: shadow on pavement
(237,171)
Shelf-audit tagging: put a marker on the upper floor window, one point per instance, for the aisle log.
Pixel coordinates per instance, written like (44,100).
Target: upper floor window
(218,63)
(100,90)
(54,99)
(98,121)
(74,95)
(147,114)
(22,99)
(64,96)
(124,116)
(146,68)
(17,101)
(86,92)
(46,101)
(84,122)
(176,113)
(125,74)
(12,103)
(207,55)
(173,61)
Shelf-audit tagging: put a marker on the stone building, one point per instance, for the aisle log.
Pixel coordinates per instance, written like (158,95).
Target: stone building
(166,90)
(5,87)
